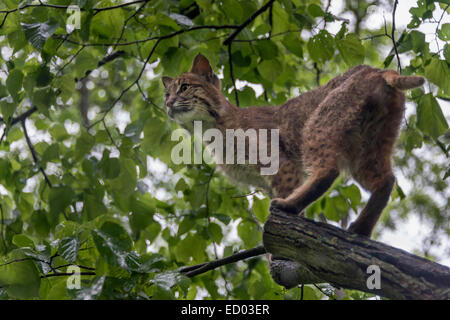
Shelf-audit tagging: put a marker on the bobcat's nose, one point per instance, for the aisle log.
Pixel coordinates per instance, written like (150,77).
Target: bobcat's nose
(170,102)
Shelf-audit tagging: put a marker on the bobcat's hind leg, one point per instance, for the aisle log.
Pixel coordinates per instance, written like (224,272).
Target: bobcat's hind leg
(304,195)
(378,200)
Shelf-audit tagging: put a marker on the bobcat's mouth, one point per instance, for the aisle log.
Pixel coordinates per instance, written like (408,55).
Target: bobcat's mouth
(174,111)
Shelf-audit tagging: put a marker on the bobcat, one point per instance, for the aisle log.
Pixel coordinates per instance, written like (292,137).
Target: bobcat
(351,123)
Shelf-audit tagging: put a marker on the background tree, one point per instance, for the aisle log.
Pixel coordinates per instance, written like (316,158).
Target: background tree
(86,177)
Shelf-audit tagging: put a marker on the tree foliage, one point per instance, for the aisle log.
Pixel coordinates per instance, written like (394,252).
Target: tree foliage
(86,177)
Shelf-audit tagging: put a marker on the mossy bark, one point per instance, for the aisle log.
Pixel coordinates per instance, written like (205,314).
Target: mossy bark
(341,258)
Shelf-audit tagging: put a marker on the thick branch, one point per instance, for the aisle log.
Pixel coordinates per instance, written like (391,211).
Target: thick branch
(192,271)
(22,116)
(342,259)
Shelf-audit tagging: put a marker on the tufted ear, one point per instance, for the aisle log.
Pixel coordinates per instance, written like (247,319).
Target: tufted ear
(167,81)
(202,67)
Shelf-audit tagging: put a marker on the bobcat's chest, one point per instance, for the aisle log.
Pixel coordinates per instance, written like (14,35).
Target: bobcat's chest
(246,174)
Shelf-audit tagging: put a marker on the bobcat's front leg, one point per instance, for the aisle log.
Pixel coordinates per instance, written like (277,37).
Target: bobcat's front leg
(287,179)
(304,195)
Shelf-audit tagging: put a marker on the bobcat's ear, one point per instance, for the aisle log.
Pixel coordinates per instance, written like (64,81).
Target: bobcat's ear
(167,81)
(202,67)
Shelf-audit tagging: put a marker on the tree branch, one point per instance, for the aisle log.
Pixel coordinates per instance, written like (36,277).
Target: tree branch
(33,153)
(248,21)
(22,116)
(192,271)
(66,274)
(393,36)
(342,259)
(104,61)
(171,35)
(3,229)
(129,87)
(233,80)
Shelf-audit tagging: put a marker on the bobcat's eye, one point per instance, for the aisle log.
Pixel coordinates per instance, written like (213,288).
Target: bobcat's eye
(184,87)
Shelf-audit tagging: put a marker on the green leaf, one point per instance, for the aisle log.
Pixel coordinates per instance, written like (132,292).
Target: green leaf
(216,232)
(7,108)
(335,208)
(142,210)
(22,241)
(84,62)
(417,40)
(181,19)
(126,182)
(167,280)
(114,245)
(108,24)
(430,119)
(68,248)
(59,199)
(447,53)
(280,18)
(352,193)
(43,98)
(20,278)
(267,49)
(294,44)
(84,144)
(315,11)
(91,292)
(17,39)
(444,32)
(249,233)
(14,82)
(51,153)
(261,208)
(351,49)
(38,33)
(111,168)
(321,46)
(437,72)
(93,207)
(270,70)
(191,247)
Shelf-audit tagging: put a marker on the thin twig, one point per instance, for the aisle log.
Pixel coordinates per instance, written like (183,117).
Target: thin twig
(102,62)
(248,21)
(34,154)
(245,195)
(266,38)
(173,34)
(129,87)
(317,74)
(76,265)
(147,99)
(128,19)
(109,134)
(71,59)
(3,228)
(67,274)
(233,80)
(393,36)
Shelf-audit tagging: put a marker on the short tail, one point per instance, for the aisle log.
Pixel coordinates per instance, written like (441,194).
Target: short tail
(398,81)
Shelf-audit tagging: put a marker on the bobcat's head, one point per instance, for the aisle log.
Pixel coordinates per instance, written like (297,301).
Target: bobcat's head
(194,95)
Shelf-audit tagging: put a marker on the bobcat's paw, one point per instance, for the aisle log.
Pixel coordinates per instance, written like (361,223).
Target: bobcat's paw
(283,205)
